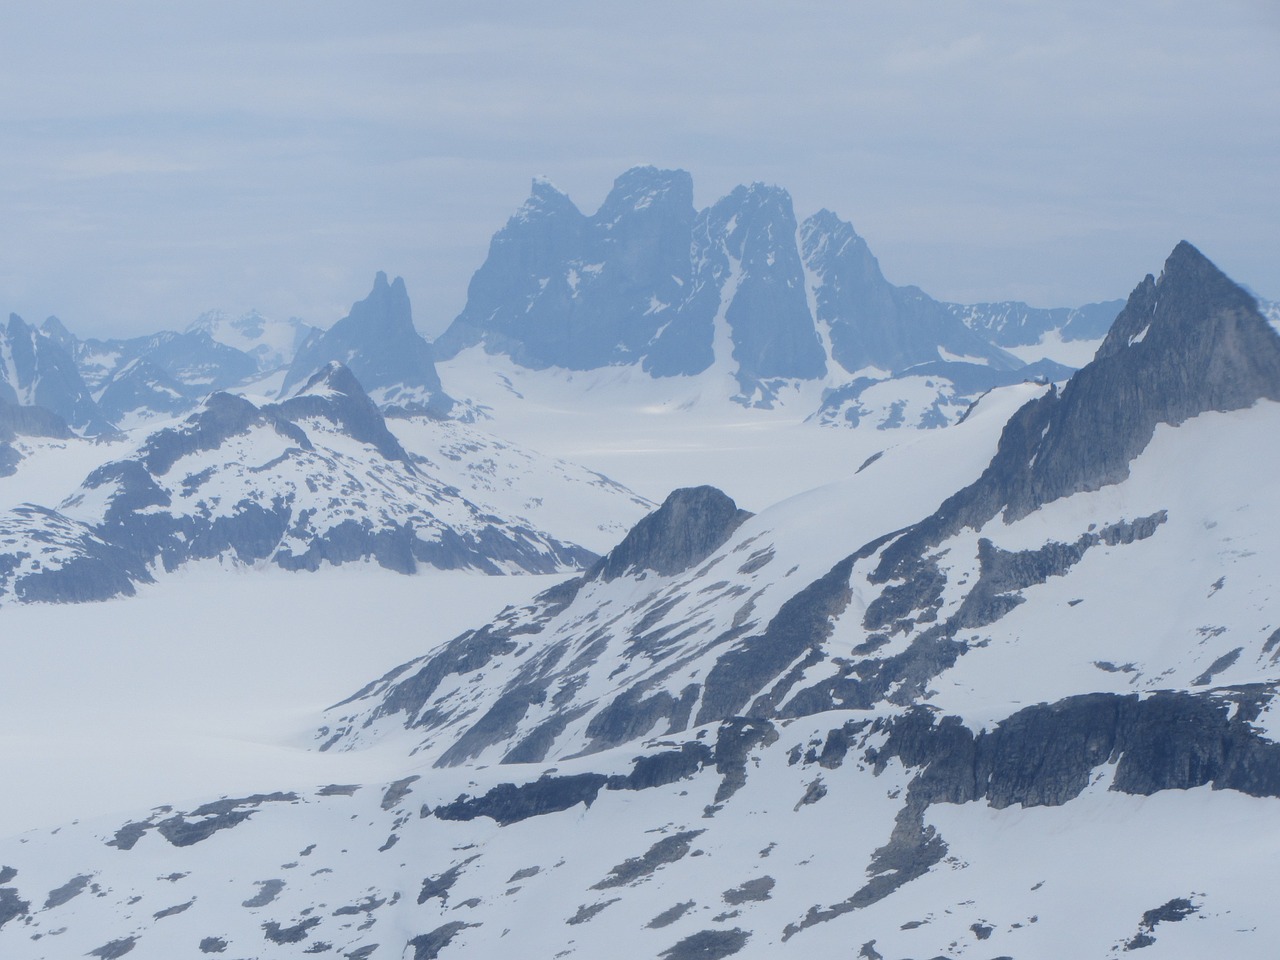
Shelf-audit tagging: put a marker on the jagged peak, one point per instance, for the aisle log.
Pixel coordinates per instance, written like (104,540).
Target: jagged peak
(759,194)
(17,326)
(386,303)
(382,285)
(1186,298)
(545,201)
(826,234)
(830,223)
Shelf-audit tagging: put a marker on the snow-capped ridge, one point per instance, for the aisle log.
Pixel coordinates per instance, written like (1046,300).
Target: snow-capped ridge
(334,394)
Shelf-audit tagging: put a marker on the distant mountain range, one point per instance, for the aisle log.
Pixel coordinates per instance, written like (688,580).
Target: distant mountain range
(739,287)
(740,290)
(1011,692)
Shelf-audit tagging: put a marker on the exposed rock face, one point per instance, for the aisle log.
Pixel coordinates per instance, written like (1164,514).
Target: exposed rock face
(1189,343)
(1045,754)
(378,343)
(23,421)
(562,289)
(18,421)
(872,323)
(690,524)
(746,242)
(37,371)
(648,280)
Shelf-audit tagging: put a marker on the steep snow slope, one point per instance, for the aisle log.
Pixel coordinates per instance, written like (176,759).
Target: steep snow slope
(511,480)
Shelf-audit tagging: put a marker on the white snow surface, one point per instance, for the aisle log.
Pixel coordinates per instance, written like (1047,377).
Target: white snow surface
(657,434)
(207,682)
(1072,353)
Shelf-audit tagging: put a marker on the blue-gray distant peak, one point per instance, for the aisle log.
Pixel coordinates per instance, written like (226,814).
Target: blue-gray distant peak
(562,289)
(378,343)
(746,244)
(647,278)
(40,372)
(546,201)
(642,187)
(873,323)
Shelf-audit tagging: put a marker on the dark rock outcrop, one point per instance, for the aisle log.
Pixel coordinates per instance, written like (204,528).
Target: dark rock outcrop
(1190,343)
(1045,755)
(690,524)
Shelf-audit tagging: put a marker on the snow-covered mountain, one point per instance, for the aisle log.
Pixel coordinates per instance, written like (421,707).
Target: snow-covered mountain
(156,377)
(316,478)
(1010,677)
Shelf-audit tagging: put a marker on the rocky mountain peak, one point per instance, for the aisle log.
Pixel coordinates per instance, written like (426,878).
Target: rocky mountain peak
(1191,299)
(55,330)
(826,240)
(37,370)
(17,327)
(745,245)
(378,342)
(643,187)
(386,306)
(1189,343)
(690,524)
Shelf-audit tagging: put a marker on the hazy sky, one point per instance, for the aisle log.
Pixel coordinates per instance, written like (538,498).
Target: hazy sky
(164,158)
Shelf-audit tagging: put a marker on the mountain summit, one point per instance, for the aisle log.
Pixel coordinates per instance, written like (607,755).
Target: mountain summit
(737,289)
(378,343)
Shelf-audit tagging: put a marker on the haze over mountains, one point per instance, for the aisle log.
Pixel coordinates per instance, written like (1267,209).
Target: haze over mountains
(647,280)
(1002,676)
